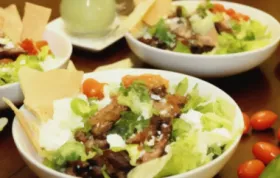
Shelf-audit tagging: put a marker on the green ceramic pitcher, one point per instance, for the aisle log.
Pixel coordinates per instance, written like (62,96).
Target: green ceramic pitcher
(88,16)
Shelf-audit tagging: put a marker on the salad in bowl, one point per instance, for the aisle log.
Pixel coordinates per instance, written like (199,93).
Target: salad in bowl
(208,29)
(24,43)
(124,123)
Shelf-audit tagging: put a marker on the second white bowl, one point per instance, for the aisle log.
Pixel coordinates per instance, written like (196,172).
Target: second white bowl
(211,65)
(62,49)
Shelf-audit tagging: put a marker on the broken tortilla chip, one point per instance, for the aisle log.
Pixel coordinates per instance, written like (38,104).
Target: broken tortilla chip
(125,63)
(12,23)
(71,66)
(40,89)
(21,118)
(35,20)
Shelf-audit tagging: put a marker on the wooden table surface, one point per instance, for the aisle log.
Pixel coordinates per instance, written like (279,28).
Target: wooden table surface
(253,90)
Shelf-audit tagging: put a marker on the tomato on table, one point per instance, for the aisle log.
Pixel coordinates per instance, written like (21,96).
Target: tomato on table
(263,120)
(250,169)
(278,134)
(247,125)
(93,89)
(265,152)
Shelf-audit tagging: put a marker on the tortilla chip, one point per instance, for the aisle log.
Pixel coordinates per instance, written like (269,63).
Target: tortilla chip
(12,23)
(40,89)
(2,20)
(138,13)
(71,66)
(126,63)
(35,20)
(24,125)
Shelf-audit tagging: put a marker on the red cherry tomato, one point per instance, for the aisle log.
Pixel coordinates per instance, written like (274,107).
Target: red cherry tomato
(93,89)
(278,134)
(247,125)
(250,169)
(263,120)
(29,46)
(219,8)
(265,152)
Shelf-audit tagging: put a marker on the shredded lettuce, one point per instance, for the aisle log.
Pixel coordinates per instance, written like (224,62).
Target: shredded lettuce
(212,121)
(185,156)
(137,98)
(70,151)
(194,100)
(180,128)
(182,87)
(181,48)
(162,33)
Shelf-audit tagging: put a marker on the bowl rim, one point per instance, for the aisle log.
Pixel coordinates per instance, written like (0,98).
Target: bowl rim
(234,144)
(273,42)
(62,61)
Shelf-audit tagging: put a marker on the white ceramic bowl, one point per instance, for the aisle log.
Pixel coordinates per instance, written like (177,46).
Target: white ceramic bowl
(61,48)
(207,171)
(214,65)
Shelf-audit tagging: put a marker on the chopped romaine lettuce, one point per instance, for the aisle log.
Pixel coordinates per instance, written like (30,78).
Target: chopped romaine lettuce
(194,100)
(180,128)
(43,53)
(227,44)
(162,33)
(181,48)
(220,106)
(211,121)
(137,98)
(128,123)
(182,149)
(182,87)
(203,8)
(151,168)
(70,151)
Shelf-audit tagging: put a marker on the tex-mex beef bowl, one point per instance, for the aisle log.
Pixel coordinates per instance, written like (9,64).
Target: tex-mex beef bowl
(207,39)
(125,123)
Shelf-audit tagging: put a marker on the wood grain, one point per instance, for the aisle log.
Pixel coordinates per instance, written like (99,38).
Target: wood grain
(254,90)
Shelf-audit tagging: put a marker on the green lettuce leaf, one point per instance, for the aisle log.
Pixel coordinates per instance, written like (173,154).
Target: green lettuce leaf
(181,48)
(137,98)
(180,128)
(128,124)
(182,87)
(212,121)
(184,157)
(70,151)
(162,33)
(194,100)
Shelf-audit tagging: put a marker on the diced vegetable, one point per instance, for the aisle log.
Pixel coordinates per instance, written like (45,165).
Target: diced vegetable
(180,47)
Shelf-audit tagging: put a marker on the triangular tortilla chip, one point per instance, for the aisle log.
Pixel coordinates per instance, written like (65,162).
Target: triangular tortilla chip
(35,20)
(125,63)
(12,23)
(71,66)
(40,89)
(24,125)
(138,13)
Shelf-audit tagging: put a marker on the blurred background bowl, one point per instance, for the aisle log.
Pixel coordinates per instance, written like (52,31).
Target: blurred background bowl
(211,65)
